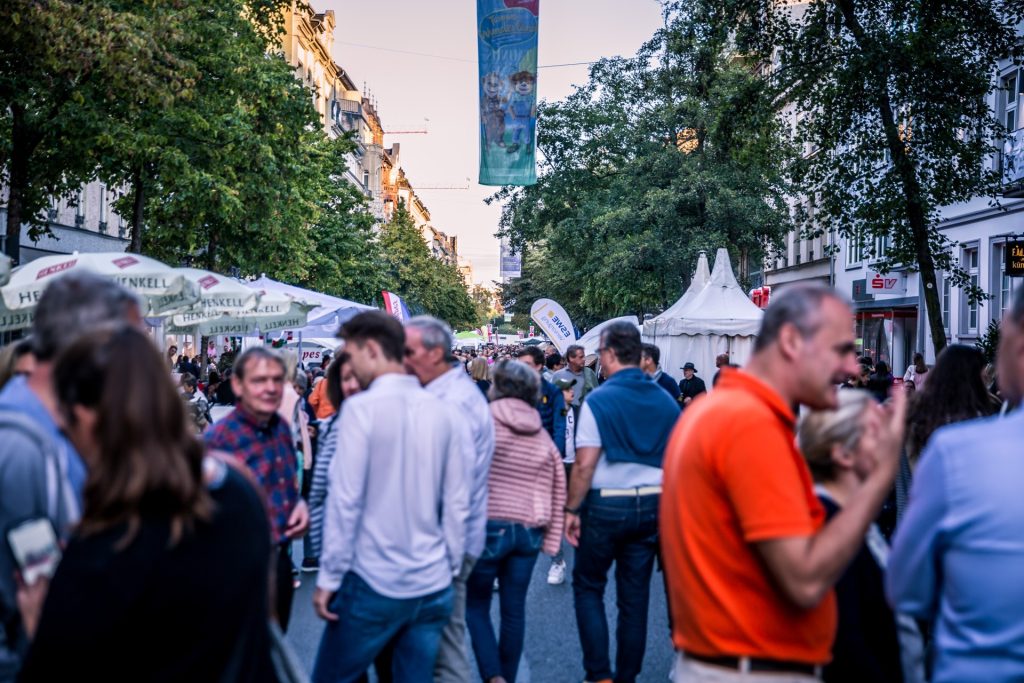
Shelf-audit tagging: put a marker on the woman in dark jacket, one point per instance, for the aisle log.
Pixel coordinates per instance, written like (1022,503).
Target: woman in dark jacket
(166,578)
(880,381)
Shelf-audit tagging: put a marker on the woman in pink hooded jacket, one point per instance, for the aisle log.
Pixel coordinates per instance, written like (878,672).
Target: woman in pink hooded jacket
(525,514)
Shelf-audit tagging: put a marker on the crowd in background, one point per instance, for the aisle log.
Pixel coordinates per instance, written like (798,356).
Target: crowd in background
(815,516)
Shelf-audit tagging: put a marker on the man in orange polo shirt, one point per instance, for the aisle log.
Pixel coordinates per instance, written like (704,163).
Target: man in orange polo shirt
(750,562)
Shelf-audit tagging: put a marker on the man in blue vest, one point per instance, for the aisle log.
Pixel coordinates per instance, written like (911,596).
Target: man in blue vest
(612,507)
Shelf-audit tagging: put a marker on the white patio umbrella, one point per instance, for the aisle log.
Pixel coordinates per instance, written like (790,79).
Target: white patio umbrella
(218,295)
(15,320)
(275,311)
(161,288)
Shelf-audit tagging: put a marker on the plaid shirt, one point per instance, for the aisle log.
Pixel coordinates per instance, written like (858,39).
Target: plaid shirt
(266,448)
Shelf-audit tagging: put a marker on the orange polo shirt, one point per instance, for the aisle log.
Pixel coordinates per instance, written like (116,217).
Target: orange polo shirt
(733,477)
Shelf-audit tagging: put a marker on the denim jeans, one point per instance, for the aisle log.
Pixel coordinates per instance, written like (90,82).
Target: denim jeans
(509,555)
(367,621)
(623,531)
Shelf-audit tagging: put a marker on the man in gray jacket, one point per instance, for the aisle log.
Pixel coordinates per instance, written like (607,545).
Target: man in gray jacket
(41,475)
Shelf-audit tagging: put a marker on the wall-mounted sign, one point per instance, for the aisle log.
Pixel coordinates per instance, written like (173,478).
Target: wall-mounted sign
(889,283)
(1015,259)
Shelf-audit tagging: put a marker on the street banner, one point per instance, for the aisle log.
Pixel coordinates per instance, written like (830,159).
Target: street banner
(394,305)
(554,322)
(507,54)
(511,262)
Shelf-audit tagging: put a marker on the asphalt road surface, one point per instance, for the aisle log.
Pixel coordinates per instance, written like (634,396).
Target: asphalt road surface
(552,653)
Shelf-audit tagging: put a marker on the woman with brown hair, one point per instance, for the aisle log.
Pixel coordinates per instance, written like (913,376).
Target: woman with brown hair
(167,575)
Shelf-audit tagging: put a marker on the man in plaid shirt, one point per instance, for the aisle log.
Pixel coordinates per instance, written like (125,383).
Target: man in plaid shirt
(255,434)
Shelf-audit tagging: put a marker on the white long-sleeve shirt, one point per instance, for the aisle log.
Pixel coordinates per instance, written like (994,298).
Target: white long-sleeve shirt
(398,492)
(467,404)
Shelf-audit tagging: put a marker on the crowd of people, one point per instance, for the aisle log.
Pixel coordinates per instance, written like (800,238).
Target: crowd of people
(814,518)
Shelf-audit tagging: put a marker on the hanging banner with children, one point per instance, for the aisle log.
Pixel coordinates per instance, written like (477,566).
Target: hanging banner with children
(507,51)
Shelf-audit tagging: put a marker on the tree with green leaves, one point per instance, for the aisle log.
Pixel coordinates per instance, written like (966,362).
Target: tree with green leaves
(657,157)
(894,116)
(65,68)
(427,284)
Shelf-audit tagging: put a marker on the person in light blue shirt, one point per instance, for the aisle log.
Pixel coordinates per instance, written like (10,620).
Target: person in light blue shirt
(958,554)
(41,474)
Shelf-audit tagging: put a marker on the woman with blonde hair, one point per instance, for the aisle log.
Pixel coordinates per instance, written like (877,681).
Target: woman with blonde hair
(480,372)
(872,643)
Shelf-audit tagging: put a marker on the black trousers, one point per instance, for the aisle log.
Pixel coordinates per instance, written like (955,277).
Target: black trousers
(284,586)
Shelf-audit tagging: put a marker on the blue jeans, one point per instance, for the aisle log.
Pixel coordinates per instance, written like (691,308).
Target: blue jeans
(368,621)
(624,531)
(509,556)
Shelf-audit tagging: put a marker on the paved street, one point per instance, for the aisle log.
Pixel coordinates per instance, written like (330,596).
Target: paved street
(552,645)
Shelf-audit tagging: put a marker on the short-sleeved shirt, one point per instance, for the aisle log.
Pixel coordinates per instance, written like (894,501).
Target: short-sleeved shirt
(733,478)
(612,475)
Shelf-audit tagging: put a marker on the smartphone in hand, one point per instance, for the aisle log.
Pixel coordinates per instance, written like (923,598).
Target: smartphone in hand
(35,548)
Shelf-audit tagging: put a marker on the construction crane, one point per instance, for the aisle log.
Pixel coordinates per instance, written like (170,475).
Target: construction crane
(424,131)
(443,187)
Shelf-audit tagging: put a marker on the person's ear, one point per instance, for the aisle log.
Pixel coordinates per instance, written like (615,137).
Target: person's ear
(841,458)
(791,342)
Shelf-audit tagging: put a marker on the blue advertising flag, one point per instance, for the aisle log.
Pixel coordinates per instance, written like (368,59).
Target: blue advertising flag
(507,50)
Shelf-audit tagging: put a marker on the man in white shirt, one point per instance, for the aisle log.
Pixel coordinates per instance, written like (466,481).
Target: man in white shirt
(428,355)
(395,516)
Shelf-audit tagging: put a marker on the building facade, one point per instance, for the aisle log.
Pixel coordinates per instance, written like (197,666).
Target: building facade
(83,222)
(890,311)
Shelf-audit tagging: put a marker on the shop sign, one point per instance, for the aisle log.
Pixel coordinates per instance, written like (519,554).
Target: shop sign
(1014,259)
(889,283)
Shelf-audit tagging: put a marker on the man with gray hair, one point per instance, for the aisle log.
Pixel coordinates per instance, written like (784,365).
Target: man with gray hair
(43,475)
(750,560)
(428,356)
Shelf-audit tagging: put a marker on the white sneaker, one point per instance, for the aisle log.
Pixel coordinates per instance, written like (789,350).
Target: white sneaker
(556,575)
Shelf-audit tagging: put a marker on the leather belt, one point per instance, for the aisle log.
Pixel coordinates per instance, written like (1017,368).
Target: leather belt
(755,664)
(635,491)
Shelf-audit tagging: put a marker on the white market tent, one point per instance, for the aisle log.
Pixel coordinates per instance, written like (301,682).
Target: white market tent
(324,320)
(592,339)
(715,318)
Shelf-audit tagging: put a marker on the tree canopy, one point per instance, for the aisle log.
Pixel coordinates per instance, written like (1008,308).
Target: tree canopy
(428,285)
(894,116)
(654,159)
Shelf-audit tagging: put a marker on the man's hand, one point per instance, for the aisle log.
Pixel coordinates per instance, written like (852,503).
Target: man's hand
(686,401)
(321,602)
(30,602)
(298,521)
(572,529)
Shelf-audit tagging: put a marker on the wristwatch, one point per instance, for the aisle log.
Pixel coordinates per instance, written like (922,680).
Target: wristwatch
(573,511)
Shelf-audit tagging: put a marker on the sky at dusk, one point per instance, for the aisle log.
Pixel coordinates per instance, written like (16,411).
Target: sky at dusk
(409,88)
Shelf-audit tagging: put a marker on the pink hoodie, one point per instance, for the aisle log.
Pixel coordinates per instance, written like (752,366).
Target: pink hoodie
(527,481)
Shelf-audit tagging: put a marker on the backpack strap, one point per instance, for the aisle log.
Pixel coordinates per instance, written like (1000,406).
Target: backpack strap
(57,504)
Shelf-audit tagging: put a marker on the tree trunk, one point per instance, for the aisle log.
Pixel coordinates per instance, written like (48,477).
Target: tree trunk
(21,148)
(12,242)
(211,253)
(916,214)
(138,209)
